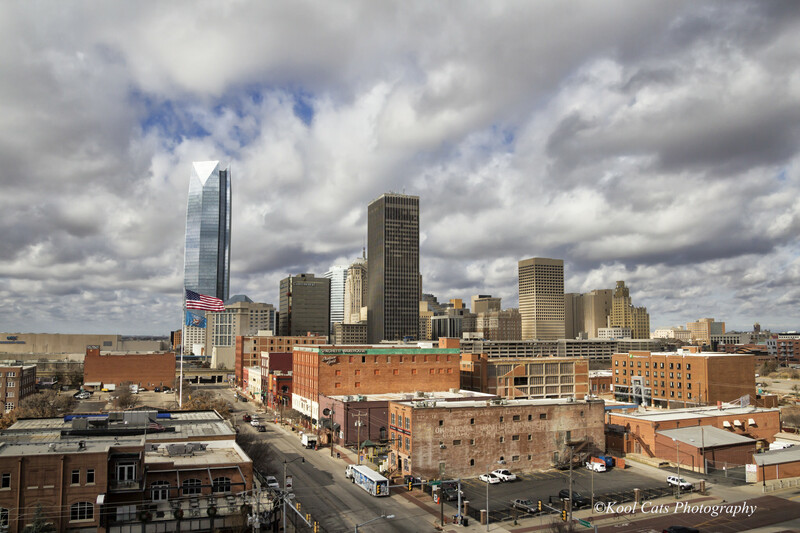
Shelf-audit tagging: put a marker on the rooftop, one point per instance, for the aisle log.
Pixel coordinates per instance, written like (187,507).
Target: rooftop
(657,415)
(197,454)
(374,349)
(52,444)
(775,457)
(472,404)
(706,436)
(400,396)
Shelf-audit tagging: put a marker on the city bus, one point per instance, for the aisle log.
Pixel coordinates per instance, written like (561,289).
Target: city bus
(368,479)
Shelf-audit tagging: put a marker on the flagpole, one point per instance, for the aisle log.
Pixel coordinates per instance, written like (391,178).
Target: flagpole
(183,344)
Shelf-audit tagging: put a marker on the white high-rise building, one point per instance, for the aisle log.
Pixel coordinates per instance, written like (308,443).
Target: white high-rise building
(338,276)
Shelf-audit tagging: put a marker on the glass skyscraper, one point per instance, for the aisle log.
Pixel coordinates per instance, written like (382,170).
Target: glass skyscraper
(208,230)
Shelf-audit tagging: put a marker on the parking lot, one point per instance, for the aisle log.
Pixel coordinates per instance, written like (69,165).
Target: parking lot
(543,485)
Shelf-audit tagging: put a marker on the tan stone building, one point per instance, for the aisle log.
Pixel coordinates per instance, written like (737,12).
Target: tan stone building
(541,298)
(702,330)
(625,315)
(526,378)
(467,438)
(355,291)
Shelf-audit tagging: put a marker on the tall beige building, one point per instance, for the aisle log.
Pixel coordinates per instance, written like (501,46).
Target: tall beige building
(541,298)
(702,330)
(483,303)
(355,291)
(625,315)
(586,313)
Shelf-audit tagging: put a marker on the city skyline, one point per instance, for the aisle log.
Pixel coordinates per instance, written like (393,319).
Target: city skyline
(651,143)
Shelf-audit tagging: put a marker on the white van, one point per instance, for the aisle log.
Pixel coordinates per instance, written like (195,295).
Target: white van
(596,467)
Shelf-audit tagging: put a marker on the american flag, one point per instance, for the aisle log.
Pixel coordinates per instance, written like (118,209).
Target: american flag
(201,301)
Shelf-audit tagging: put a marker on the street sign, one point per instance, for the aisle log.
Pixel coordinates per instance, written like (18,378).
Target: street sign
(585,523)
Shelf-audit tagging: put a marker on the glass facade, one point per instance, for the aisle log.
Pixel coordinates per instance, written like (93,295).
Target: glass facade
(208,230)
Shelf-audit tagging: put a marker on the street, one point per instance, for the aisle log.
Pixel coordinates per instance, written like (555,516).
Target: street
(320,486)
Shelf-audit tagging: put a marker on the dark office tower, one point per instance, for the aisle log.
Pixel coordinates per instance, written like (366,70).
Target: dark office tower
(207,256)
(305,306)
(394,280)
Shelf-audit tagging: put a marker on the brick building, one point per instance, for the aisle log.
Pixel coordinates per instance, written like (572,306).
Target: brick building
(279,390)
(250,348)
(704,449)
(467,438)
(144,369)
(331,370)
(16,383)
(683,378)
(104,472)
(365,417)
(777,464)
(531,377)
(635,432)
(600,382)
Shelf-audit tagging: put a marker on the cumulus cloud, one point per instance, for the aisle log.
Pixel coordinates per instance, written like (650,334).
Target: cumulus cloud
(652,143)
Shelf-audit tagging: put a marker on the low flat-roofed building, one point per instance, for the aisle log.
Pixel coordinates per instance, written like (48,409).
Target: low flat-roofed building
(704,449)
(777,464)
(638,428)
(600,382)
(144,369)
(104,472)
(468,437)
(357,418)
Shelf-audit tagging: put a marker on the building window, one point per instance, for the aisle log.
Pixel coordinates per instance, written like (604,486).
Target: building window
(472,442)
(514,458)
(542,416)
(472,462)
(5,481)
(616,362)
(90,476)
(441,422)
(9,406)
(408,444)
(76,477)
(81,511)
(515,437)
(396,372)
(501,419)
(472,421)
(408,423)
(191,486)
(159,490)
(688,366)
(358,384)
(516,418)
(3,517)
(221,484)
(126,471)
(413,371)
(502,439)
(392,418)
(457,442)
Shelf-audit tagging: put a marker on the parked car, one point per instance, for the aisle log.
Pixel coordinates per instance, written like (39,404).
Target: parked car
(166,389)
(529,506)
(578,500)
(246,417)
(489,478)
(260,428)
(504,474)
(675,481)
(272,482)
(450,491)
(596,467)
(255,422)
(157,389)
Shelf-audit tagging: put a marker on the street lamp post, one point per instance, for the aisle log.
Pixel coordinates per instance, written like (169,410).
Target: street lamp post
(285,492)
(500,462)
(386,516)
(678,461)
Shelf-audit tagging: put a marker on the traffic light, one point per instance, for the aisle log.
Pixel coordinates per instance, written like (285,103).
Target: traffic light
(298,506)
(410,483)
(316,527)
(378,488)
(564,515)
(540,505)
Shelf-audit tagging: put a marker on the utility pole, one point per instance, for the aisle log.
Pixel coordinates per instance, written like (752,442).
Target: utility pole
(570,484)
(358,424)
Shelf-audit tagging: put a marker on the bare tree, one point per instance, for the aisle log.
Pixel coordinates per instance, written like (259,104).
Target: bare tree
(257,449)
(203,400)
(124,398)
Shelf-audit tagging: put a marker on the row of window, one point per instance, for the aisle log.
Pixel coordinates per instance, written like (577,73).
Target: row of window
(396,372)
(160,489)
(655,365)
(647,374)
(75,478)
(77,511)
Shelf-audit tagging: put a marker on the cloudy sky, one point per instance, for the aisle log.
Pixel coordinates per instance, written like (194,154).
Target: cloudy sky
(651,142)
